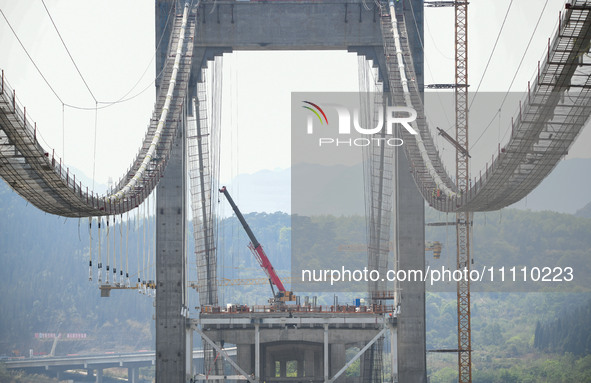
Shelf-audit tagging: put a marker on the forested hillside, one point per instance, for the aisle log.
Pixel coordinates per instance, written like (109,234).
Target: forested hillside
(566,333)
(585,211)
(45,287)
(44,266)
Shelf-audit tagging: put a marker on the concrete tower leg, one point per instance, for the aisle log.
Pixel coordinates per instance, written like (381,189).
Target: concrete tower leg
(410,241)
(270,369)
(171,338)
(245,357)
(300,368)
(309,363)
(171,327)
(337,359)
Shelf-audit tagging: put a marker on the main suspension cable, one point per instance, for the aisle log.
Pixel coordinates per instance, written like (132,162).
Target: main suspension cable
(68,51)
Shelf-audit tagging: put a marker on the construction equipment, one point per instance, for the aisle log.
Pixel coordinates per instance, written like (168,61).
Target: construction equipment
(255,247)
(464,218)
(435,247)
(455,143)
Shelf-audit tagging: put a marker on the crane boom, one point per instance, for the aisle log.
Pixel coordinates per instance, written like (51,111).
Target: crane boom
(255,246)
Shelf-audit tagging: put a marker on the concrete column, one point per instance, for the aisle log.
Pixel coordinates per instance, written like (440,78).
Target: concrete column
(394,353)
(337,359)
(257,353)
(410,243)
(283,368)
(325,366)
(269,366)
(188,344)
(171,328)
(171,342)
(133,374)
(308,363)
(99,375)
(244,357)
(318,368)
(300,368)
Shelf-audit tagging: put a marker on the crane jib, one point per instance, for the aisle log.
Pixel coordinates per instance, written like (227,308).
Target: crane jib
(249,232)
(255,246)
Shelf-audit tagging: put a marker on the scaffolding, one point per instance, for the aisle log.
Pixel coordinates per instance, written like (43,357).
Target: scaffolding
(202,157)
(378,174)
(44,180)
(550,117)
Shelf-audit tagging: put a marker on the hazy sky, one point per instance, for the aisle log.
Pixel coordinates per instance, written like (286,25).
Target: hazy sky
(113,43)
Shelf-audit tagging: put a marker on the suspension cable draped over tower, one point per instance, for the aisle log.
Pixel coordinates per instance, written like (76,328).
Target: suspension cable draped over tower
(516,170)
(162,121)
(48,183)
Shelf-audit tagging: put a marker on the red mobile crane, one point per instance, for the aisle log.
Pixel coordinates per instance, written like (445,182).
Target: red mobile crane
(257,250)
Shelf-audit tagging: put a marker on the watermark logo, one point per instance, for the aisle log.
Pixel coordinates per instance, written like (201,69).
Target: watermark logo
(391,116)
(318,109)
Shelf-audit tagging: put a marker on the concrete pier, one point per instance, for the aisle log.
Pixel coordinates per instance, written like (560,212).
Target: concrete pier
(410,242)
(320,349)
(283,346)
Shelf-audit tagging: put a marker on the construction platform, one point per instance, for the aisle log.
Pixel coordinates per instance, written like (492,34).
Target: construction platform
(314,338)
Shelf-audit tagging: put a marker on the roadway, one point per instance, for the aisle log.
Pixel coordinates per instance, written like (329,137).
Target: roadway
(130,360)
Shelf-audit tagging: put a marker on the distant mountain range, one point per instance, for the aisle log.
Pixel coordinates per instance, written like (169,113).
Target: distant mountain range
(339,190)
(584,212)
(566,190)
